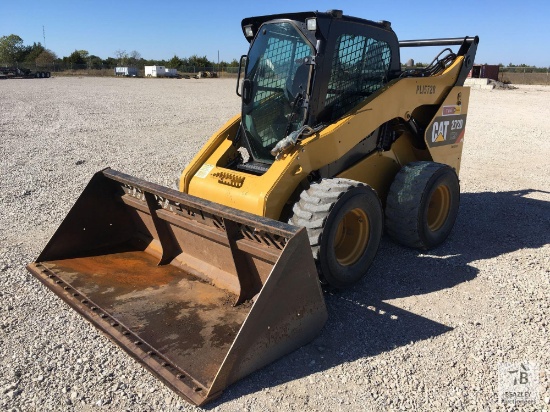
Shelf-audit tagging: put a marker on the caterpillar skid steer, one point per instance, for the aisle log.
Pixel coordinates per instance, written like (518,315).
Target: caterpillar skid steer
(335,143)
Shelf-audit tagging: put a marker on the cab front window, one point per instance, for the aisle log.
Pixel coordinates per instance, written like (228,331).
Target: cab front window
(279,75)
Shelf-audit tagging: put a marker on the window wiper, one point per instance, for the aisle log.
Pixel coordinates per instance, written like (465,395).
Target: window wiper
(293,137)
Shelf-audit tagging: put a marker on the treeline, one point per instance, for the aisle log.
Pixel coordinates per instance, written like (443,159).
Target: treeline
(13,52)
(82,59)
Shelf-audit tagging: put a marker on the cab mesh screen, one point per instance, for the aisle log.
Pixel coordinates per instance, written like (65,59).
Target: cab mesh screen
(278,60)
(359,68)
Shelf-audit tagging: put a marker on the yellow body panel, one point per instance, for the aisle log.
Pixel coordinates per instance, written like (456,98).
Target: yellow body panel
(226,132)
(266,195)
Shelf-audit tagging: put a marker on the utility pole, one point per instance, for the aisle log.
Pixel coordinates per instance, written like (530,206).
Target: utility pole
(44,35)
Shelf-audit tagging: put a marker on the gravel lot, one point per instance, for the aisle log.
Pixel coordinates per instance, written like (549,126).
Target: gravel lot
(423,332)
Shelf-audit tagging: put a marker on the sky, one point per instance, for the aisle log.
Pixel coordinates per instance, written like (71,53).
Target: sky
(515,32)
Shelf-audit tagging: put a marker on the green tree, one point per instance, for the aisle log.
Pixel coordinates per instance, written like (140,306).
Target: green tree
(31,53)
(95,62)
(10,49)
(198,61)
(45,59)
(74,60)
(84,54)
(110,62)
(232,63)
(175,62)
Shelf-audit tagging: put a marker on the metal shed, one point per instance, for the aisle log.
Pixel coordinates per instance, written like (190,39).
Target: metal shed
(484,71)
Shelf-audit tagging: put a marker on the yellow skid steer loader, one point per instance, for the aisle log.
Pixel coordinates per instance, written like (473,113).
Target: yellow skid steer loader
(335,143)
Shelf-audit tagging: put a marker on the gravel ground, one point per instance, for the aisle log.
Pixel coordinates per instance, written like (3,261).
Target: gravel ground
(425,331)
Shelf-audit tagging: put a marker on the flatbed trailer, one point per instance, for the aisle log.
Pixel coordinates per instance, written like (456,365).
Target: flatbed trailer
(19,73)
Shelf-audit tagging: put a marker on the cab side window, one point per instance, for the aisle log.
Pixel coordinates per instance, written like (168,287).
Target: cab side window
(359,67)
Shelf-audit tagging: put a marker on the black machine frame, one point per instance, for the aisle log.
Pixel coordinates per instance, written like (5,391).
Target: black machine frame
(330,26)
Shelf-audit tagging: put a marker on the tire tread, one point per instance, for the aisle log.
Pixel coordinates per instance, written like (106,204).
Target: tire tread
(403,205)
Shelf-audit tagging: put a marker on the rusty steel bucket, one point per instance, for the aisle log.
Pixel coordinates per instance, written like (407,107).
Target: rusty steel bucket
(199,293)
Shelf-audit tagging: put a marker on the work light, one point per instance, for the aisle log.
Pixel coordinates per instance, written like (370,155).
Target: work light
(311,24)
(248,32)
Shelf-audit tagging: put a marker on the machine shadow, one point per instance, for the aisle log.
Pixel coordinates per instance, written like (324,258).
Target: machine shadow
(362,325)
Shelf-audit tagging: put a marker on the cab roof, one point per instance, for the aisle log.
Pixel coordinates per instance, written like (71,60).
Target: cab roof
(257,21)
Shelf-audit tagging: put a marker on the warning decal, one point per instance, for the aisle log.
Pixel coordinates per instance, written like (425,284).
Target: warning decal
(451,110)
(204,170)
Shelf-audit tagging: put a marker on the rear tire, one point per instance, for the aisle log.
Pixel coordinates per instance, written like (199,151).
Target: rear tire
(422,204)
(344,221)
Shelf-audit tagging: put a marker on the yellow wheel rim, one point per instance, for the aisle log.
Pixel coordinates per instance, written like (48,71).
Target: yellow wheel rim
(352,236)
(438,207)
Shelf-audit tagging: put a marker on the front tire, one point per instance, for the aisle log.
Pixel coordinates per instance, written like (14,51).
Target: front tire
(344,221)
(422,205)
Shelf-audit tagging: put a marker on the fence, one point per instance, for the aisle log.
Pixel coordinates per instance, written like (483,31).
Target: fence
(520,74)
(221,70)
(524,75)
(100,69)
